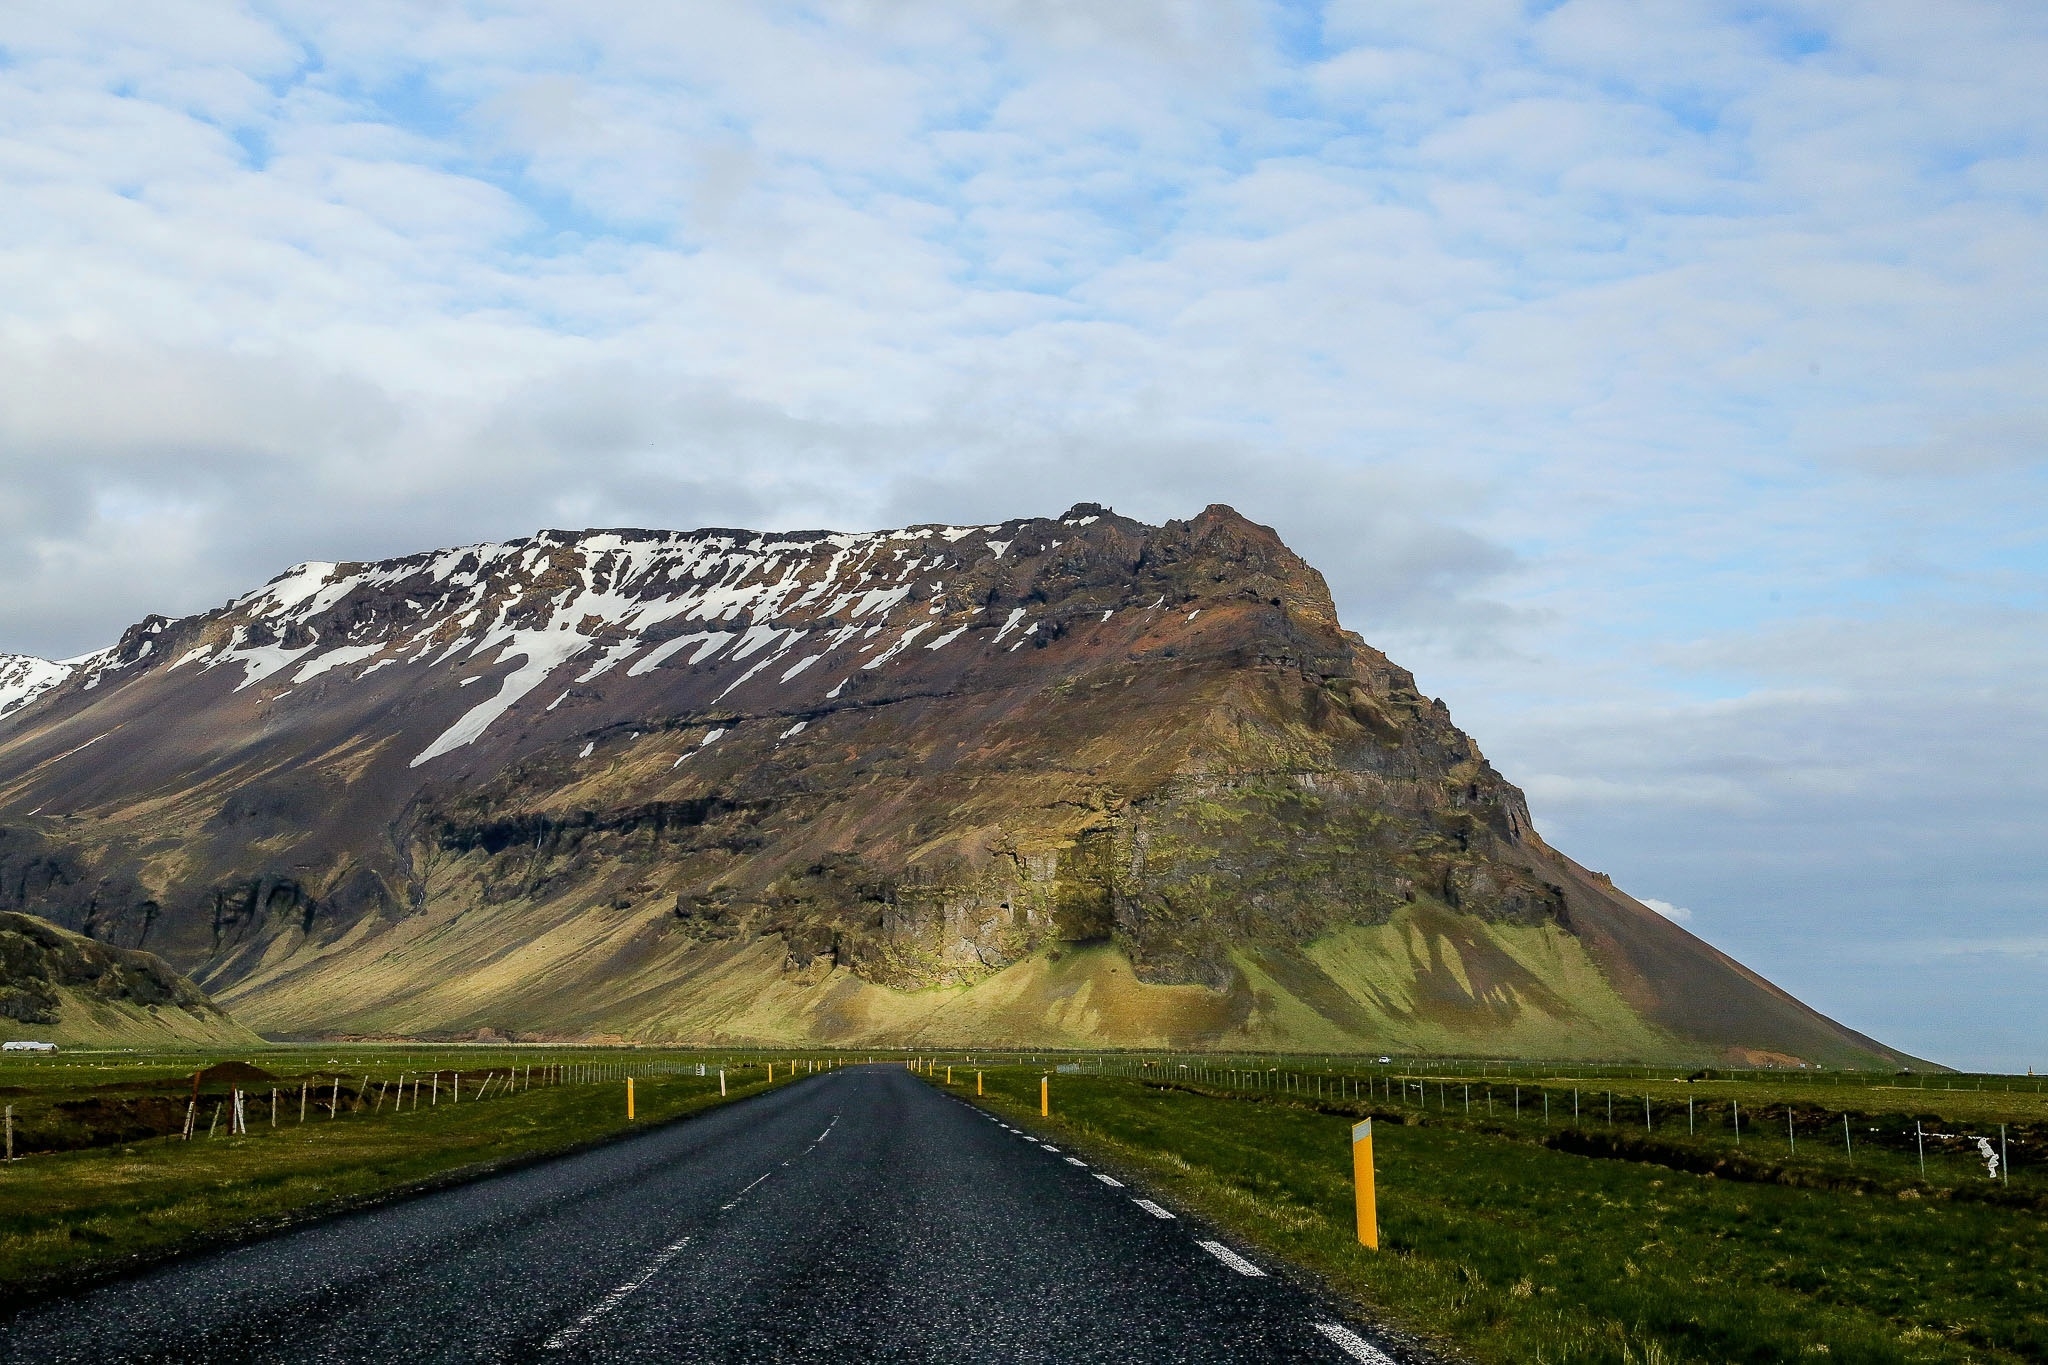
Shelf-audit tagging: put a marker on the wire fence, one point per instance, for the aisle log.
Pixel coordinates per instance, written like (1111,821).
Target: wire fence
(1782,1133)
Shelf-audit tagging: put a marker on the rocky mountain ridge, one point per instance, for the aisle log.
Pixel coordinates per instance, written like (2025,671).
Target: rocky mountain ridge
(1076,779)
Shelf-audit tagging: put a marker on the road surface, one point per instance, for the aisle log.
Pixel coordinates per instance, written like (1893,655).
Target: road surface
(859,1215)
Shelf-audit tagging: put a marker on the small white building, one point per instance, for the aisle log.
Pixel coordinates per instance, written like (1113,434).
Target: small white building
(27,1045)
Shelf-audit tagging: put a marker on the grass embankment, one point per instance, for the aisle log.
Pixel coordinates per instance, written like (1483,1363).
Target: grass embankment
(1979,1138)
(1506,1249)
(68,1215)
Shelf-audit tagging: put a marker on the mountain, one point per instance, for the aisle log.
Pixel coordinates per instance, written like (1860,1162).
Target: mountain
(65,988)
(1075,781)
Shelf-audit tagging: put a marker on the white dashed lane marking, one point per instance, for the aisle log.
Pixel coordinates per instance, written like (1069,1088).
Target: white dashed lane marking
(743,1193)
(1151,1208)
(1110,1181)
(619,1295)
(1353,1345)
(1076,1161)
(1231,1259)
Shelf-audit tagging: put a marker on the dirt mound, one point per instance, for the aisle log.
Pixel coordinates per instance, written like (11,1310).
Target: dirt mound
(234,1073)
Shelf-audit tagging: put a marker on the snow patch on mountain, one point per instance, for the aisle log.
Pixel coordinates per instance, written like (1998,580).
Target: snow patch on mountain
(23,678)
(544,651)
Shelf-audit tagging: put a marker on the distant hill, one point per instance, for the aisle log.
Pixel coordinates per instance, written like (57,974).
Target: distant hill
(66,988)
(1073,781)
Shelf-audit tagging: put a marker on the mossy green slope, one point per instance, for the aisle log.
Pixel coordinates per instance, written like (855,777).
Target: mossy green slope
(1426,981)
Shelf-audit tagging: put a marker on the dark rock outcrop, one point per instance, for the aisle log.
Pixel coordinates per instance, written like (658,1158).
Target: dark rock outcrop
(64,986)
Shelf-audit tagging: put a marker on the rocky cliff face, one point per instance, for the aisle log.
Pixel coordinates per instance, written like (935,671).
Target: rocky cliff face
(1079,779)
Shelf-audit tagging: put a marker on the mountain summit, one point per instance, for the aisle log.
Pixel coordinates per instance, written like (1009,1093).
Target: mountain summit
(1068,781)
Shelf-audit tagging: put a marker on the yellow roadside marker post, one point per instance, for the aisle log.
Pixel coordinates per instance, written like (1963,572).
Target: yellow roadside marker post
(1361,1170)
(977,1082)
(949,1075)
(1045,1097)
(771,1071)
(629,1099)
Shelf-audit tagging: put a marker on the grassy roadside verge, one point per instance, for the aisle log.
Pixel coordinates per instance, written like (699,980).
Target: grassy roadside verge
(1504,1249)
(69,1217)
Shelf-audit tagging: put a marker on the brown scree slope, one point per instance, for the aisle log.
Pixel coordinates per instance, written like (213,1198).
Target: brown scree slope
(1076,781)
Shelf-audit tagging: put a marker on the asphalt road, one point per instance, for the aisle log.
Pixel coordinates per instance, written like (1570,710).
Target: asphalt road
(860,1215)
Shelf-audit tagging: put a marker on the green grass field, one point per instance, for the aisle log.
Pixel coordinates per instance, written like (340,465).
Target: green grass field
(1506,1244)
(105,1181)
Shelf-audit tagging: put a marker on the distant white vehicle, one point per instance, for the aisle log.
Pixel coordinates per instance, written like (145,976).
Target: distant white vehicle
(27,1045)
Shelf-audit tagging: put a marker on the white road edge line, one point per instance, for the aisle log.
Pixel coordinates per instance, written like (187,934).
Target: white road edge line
(1151,1208)
(1353,1345)
(1110,1181)
(617,1296)
(1232,1259)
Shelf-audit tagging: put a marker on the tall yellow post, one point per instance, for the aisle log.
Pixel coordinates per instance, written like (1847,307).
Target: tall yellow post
(949,1075)
(1361,1170)
(771,1071)
(1045,1097)
(629,1098)
(977,1082)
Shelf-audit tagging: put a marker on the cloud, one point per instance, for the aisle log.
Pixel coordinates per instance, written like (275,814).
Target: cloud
(1960,448)
(2031,947)
(1676,913)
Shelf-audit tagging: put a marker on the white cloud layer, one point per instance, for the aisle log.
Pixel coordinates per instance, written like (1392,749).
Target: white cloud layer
(1665,390)
(1677,913)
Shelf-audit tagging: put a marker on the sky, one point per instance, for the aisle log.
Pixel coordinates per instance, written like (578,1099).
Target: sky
(1667,386)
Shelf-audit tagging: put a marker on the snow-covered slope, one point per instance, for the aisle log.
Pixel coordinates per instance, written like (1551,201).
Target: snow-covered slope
(803,611)
(23,678)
